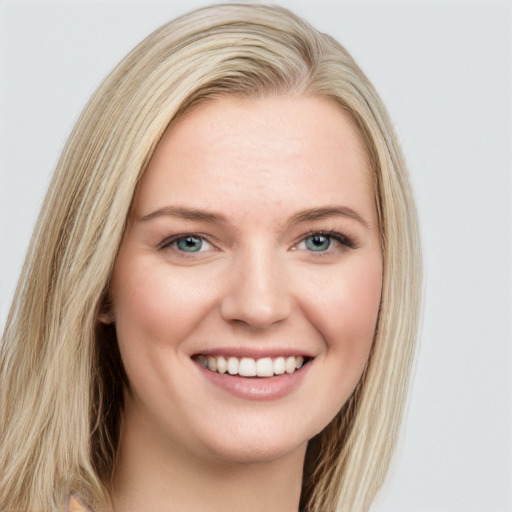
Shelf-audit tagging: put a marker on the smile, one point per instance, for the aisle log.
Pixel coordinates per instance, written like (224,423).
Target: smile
(249,367)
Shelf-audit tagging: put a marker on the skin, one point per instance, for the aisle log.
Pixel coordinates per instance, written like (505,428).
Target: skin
(256,284)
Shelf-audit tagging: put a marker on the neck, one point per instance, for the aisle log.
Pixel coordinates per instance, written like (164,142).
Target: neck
(162,476)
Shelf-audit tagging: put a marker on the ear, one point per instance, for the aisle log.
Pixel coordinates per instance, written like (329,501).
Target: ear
(106,317)
(75,502)
(106,314)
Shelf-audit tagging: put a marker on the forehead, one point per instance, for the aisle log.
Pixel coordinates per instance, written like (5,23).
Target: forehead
(278,150)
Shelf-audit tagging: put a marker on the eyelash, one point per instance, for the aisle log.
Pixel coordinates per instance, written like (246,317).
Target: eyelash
(171,240)
(330,234)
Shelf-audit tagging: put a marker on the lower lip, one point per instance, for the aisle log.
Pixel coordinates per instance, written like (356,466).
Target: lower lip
(257,388)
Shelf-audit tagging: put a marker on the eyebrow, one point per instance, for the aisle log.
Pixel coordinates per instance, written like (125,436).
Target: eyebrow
(326,212)
(310,215)
(185,213)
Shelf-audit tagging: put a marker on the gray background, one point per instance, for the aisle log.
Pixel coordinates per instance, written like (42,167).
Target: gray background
(444,70)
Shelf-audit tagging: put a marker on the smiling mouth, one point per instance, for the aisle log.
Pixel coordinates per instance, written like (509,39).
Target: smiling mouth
(249,367)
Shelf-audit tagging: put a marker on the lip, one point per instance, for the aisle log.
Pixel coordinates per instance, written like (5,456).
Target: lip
(255,388)
(254,353)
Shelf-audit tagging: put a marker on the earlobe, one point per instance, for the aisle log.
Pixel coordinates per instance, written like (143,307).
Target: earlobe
(106,315)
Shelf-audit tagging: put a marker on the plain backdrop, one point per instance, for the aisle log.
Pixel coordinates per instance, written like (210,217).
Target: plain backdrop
(443,69)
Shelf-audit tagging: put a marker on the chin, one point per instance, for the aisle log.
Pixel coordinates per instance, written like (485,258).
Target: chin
(256,449)
(260,440)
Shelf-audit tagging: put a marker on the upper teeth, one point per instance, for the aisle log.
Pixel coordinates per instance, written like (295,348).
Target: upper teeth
(249,367)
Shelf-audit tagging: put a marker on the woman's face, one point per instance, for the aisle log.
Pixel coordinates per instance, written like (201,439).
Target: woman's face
(254,247)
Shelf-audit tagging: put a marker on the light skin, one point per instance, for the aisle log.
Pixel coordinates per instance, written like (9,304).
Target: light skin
(253,233)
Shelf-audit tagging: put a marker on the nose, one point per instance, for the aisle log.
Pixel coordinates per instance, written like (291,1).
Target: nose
(258,295)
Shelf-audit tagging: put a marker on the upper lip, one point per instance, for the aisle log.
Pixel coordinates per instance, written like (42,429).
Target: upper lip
(254,353)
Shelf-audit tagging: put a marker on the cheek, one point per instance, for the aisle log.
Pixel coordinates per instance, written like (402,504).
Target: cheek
(344,308)
(358,305)
(359,302)
(155,305)
(342,303)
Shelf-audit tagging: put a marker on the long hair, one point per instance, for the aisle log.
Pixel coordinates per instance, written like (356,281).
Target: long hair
(61,374)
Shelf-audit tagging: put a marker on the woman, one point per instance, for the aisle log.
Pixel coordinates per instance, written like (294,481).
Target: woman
(219,305)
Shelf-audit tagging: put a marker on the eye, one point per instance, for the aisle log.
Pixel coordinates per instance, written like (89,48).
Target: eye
(324,242)
(189,244)
(318,242)
(186,243)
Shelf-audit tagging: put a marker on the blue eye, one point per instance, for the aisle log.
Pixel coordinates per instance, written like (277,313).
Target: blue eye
(325,242)
(318,242)
(186,244)
(189,244)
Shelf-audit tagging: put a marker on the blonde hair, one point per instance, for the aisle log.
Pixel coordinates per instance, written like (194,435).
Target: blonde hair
(60,370)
